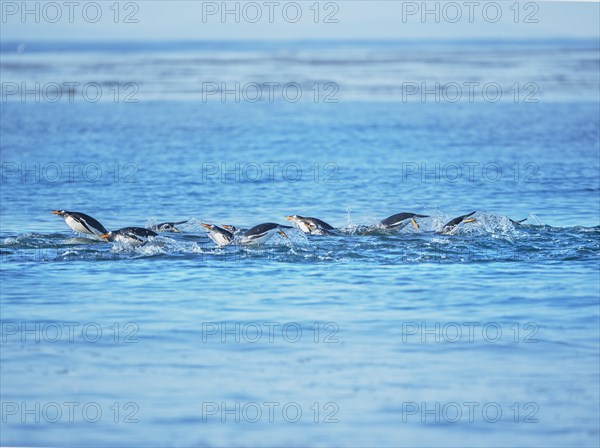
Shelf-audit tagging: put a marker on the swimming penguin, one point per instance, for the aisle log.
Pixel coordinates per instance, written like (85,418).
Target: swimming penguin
(262,233)
(450,226)
(232,229)
(134,236)
(312,226)
(401,220)
(219,235)
(167,227)
(517,223)
(80,222)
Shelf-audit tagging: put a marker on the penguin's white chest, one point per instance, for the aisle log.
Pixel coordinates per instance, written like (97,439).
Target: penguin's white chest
(259,239)
(76,225)
(220,239)
(125,239)
(304,227)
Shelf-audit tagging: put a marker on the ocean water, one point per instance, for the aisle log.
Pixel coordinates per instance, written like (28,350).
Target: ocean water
(371,337)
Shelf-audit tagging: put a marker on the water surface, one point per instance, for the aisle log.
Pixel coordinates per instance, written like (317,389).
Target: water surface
(378,337)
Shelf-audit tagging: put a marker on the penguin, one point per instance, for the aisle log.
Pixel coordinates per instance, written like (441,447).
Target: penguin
(82,223)
(167,227)
(261,233)
(450,226)
(312,226)
(134,236)
(401,220)
(220,236)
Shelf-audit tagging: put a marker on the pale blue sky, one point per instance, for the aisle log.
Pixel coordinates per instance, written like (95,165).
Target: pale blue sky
(184,20)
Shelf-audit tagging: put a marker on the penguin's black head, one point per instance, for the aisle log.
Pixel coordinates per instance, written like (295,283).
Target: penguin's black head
(232,229)
(167,227)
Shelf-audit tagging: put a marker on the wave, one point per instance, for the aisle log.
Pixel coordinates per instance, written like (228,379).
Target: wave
(491,238)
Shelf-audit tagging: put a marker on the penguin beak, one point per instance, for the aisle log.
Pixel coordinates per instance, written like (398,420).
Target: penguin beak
(282,233)
(206,226)
(104,236)
(55,212)
(289,218)
(414,223)
(470,220)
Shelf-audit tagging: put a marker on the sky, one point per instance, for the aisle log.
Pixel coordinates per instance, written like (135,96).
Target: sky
(293,20)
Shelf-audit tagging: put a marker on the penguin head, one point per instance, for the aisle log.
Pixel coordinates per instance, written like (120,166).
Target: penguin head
(168,227)
(59,212)
(107,236)
(229,227)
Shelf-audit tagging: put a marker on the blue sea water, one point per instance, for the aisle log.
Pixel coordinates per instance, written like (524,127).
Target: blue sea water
(488,337)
